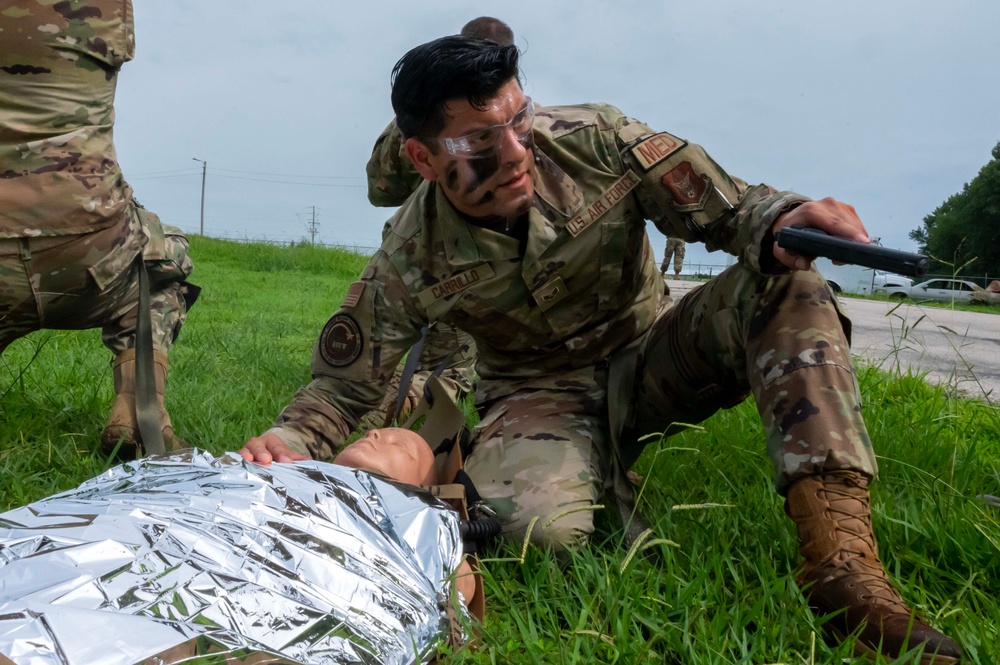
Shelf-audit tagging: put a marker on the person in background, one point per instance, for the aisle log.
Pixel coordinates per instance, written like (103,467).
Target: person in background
(675,248)
(73,239)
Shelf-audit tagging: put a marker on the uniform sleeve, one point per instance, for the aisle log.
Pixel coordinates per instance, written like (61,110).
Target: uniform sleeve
(687,195)
(391,175)
(353,360)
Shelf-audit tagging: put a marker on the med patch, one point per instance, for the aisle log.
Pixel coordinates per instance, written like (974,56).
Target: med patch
(340,343)
(655,149)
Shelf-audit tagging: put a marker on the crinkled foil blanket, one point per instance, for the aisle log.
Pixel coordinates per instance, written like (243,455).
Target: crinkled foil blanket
(190,558)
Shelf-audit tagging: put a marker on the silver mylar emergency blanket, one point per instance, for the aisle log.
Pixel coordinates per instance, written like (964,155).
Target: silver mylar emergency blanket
(171,557)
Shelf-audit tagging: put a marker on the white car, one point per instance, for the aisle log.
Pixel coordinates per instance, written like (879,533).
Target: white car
(948,290)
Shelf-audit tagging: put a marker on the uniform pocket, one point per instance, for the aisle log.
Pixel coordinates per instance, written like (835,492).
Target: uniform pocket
(118,258)
(614,237)
(166,251)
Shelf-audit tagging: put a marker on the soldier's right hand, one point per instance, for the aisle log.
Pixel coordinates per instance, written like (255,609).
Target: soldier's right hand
(267,448)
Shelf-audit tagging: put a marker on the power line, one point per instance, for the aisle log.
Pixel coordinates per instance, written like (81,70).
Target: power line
(294,175)
(286,182)
(159,177)
(162,172)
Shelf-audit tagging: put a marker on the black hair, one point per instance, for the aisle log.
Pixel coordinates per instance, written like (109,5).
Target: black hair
(489,28)
(446,69)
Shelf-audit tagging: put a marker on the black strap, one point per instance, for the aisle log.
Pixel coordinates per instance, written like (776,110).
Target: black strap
(406,378)
(147,412)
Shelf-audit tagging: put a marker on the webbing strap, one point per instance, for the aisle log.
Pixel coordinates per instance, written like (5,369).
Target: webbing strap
(409,369)
(406,378)
(147,413)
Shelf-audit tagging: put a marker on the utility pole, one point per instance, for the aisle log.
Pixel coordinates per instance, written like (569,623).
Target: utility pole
(204,170)
(313,226)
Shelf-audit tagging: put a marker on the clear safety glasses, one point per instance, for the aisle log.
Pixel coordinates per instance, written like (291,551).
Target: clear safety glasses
(483,142)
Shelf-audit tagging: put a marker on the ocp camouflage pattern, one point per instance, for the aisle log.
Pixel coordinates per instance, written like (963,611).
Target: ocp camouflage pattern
(675,248)
(59,64)
(391,175)
(586,289)
(70,229)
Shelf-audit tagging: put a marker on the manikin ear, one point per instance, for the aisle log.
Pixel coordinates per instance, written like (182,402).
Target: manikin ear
(419,154)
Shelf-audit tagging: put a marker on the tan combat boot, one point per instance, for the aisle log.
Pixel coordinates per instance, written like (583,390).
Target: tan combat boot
(843,575)
(122,424)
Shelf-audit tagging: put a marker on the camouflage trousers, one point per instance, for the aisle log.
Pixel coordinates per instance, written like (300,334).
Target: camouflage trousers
(547,453)
(676,249)
(92,281)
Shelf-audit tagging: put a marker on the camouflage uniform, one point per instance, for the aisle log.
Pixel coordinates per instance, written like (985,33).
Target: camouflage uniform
(391,180)
(675,248)
(70,231)
(584,294)
(391,176)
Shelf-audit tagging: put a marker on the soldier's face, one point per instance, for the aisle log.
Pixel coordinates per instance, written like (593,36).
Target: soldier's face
(493,182)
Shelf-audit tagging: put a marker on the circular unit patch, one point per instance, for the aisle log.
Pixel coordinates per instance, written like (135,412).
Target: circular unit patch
(340,343)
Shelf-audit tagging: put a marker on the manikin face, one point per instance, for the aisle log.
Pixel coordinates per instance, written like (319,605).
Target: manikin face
(393,452)
(495,182)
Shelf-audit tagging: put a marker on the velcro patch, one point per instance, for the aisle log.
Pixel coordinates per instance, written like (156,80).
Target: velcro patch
(603,203)
(550,293)
(656,148)
(340,342)
(354,294)
(455,284)
(689,189)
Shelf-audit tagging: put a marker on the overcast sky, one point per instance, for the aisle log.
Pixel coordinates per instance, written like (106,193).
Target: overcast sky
(889,105)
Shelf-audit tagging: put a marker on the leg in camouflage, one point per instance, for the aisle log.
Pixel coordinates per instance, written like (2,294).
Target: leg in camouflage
(91,281)
(167,265)
(541,456)
(783,339)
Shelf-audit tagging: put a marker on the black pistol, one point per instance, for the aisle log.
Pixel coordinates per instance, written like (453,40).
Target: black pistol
(813,242)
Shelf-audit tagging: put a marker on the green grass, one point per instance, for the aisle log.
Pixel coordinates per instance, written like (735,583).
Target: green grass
(937,304)
(719,592)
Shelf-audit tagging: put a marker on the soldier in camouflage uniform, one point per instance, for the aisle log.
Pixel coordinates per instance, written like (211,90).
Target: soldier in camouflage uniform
(70,230)
(675,248)
(391,180)
(531,237)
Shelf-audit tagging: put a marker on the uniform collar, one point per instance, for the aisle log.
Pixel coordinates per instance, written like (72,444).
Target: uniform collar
(557,189)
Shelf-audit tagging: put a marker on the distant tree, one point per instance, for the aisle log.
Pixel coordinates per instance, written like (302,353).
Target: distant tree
(963,234)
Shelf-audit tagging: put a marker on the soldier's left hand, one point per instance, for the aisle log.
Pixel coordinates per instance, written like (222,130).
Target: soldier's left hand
(830,215)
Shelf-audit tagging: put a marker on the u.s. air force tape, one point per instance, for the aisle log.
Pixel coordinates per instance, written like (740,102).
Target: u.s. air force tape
(340,342)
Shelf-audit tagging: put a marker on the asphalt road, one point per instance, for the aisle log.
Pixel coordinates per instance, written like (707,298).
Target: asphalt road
(960,349)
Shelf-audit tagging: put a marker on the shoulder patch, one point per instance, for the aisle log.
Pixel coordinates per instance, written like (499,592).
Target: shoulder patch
(689,188)
(340,342)
(656,148)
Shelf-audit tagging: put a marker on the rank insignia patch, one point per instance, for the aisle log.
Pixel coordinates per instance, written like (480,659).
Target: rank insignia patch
(688,188)
(340,342)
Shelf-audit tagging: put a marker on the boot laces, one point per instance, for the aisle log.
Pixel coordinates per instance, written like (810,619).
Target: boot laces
(858,558)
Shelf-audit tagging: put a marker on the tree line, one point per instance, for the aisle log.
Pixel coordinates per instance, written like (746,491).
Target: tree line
(961,235)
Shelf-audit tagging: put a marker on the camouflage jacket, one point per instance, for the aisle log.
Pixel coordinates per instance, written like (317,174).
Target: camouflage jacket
(391,175)
(586,284)
(59,66)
